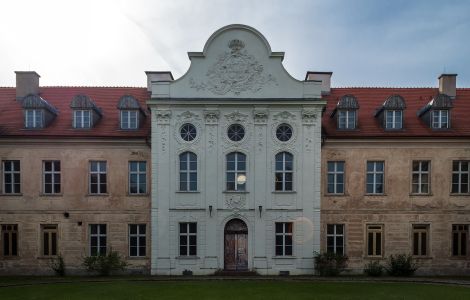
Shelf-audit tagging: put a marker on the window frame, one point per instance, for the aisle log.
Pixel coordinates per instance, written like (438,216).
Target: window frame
(393,120)
(375,229)
(284,234)
(53,229)
(335,174)
(374,173)
(35,123)
(13,183)
(98,236)
(419,173)
(336,235)
(98,173)
(237,172)
(460,174)
(10,232)
(82,118)
(187,172)
(457,230)
(439,123)
(138,235)
(53,172)
(137,173)
(420,229)
(347,119)
(283,172)
(186,235)
(129,118)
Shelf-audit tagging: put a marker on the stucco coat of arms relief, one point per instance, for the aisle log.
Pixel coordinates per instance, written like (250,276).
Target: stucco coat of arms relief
(235,71)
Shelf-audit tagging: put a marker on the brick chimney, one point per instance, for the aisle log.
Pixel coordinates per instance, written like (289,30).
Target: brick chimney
(448,84)
(154,76)
(323,77)
(27,82)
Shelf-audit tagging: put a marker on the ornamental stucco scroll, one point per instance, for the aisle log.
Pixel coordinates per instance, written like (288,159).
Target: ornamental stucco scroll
(234,71)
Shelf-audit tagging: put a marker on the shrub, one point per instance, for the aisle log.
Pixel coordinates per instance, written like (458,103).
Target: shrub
(401,265)
(104,265)
(330,264)
(373,268)
(58,265)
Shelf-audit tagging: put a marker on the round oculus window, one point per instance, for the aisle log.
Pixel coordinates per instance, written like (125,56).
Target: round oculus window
(188,132)
(284,132)
(236,132)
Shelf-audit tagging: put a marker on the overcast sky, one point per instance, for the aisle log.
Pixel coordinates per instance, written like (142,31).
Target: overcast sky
(364,42)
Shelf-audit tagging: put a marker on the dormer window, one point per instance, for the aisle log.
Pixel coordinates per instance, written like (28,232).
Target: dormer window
(346,110)
(437,112)
(85,113)
(390,114)
(131,114)
(38,113)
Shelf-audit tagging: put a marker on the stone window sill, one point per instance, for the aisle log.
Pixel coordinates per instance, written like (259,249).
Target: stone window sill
(235,192)
(284,192)
(421,195)
(460,195)
(189,257)
(97,195)
(51,195)
(187,192)
(284,257)
(137,257)
(13,195)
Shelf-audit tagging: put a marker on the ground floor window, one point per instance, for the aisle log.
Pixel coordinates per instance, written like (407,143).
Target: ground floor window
(137,240)
(49,240)
(420,240)
(374,240)
(188,239)
(284,238)
(335,238)
(459,239)
(97,239)
(9,240)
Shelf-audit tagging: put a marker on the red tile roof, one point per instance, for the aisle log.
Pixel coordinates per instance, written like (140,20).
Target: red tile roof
(107,98)
(370,99)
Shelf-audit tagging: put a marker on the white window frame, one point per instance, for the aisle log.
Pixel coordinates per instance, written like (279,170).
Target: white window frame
(187,236)
(138,173)
(37,118)
(127,117)
(335,174)
(79,119)
(237,172)
(186,174)
(98,236)
(53,172)
(283,172)
(98,172)
(348,116)
(375,229)
(375,174)
(391,121)
(460,173)
(441,113)
(138,235)
(335,235)
(12,173)
(284,233)
(419,174)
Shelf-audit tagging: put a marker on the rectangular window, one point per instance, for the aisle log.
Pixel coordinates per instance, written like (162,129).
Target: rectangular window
(137,177)
(82,119)
(420,177)
(98,182)
(346,119)
(460,177)
(9,240)
(374,240)
(49,240)
(137,240)
(335,238)
(335,177)
(11,177)
(284,238)
(97,239)
(33,118)
(393,119)
(129,119)
(188,172)
(459,239)
(440,119)
(284,172)
(236,171)
(375,177)
(420,240)
(51,176)
(188,239)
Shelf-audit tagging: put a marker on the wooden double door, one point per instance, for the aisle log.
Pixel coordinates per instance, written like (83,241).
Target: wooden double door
(236,245)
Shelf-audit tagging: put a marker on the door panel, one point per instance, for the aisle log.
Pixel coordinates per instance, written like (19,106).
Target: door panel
(236,251)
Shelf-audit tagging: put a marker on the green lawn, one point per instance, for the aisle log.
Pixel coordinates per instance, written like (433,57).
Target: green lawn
(228,289)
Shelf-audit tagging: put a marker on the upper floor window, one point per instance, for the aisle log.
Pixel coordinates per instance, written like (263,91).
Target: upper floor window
(460,176)
(188,132)
(82,119)
(236,171)
(375,177)
(284,132)
(284,238)
(236,132)
(9,240)
(393,119)
(51,176)
(129,119)
(346,108)
(11,177)
(98,180)
(440,119)
(420,177)
(390,114)
(188,172)
(33,118)
(284,172)
(335,178)
(137,177)
(436,113)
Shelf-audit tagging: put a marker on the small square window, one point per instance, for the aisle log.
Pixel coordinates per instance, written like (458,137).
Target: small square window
(82,119)
(440,119)
(129,119)
(33,118)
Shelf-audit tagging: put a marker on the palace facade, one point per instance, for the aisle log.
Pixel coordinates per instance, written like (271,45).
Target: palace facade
(235,166)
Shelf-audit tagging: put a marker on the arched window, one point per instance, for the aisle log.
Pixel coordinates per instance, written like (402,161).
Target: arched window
(284,170)
(236,171)
(188,172)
